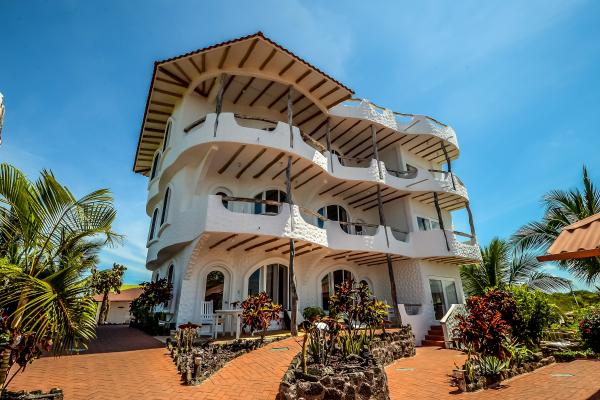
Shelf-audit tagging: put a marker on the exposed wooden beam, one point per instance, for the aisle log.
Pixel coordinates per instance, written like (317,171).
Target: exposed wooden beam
(191,61)
(305,120)
(328,190)
(283,170)
(277,247)
(174,76)
(341,146)
(337,254)
(167,92)
(240,243)
(246,86)
(256,157)
(317,85)
(298,248)
(308,180)
(322,124)
(269,165)
(162,103)
(267,87)
(345,132)
(224,57)
(267,60)
(304,75)
(285,92)
(248,52)
(332,129)
(254,246)
(330,92)
(345,190)
(302,171)
(231,160)
(170,82)
(288,66)
(182,72)
(222,241)
(309,251)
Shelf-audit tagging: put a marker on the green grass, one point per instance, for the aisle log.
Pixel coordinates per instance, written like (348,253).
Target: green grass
(126,286)
(566,302)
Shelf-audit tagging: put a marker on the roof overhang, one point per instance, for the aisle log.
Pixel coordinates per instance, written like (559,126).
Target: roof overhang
(578,240)
(198,71)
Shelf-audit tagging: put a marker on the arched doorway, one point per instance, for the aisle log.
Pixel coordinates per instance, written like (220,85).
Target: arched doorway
(329,282)
(215,289)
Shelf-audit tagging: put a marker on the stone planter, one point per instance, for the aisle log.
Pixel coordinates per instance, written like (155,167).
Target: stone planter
(367,381)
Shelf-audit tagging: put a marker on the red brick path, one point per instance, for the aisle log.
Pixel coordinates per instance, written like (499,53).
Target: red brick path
(112,370)
(426,376)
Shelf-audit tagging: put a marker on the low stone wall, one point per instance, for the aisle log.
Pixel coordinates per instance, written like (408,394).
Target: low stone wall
(53,394)
(370,383)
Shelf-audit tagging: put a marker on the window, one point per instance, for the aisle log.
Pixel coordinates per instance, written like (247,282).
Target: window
(167,135)
(224,192)
(269,209)
(272,279)
(155,166)
(165,209)
(334,213)
(153,224)
(427,224)
(330,281)
(170,274)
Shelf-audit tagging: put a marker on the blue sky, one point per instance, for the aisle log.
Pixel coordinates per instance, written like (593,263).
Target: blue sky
(517,80)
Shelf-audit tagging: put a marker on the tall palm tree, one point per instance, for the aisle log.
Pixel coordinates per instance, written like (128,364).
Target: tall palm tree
(49,240)
(563,208)
(504,264)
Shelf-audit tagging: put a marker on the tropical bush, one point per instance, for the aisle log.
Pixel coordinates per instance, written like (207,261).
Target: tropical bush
(486,327)
(589,328)
(311,313)
(50,240)
(258,313)
(143,308)
(105,281)
(533,315)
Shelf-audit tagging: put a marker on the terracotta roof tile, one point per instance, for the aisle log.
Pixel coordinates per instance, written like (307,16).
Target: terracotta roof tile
(578,240)
(125,295)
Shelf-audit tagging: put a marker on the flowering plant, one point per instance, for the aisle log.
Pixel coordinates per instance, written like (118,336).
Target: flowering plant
(589,328)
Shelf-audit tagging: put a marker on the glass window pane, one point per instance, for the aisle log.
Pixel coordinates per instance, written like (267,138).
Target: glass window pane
(270,280)
(437,296)
(422,223)
(451,295)
(325,292)
(435,225)
(254,283)
(214,289)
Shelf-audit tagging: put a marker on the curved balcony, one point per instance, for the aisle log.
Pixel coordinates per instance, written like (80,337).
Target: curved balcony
(407,124)
(262,133)
(236,219)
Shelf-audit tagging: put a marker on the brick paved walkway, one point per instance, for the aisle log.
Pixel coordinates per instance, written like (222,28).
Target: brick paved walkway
(148,373)
(426,376)
(126,364)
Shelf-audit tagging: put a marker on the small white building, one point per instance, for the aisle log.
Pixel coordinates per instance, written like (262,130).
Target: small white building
(118,312)
(369,186)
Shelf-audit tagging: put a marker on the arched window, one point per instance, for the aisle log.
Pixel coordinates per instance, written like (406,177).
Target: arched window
(215,284)
(167,135)
(334,213)
(155,166)
(271,195)
(272,279)
(153,224)
(165,208)
(329,283)
(225,202)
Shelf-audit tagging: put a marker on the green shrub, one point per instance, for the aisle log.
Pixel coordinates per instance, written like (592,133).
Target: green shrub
(311,313)
(570,355)
(533,315)
(589,328)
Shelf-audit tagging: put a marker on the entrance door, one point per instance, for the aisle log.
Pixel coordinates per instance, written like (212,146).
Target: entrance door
(215,289)
(443,294)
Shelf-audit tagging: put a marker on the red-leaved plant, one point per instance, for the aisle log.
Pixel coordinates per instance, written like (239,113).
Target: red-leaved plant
(485,329)
(258,313)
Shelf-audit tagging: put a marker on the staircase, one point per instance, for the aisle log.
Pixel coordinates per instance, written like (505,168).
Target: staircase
(435,337)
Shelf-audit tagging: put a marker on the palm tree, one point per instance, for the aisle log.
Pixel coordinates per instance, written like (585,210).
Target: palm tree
(504,264)
(49,240)
(563,208)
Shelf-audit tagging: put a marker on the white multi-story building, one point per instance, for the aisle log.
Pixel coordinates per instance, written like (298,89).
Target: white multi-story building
(372,190)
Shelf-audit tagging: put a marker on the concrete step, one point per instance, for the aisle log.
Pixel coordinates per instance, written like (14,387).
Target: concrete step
(439,338)
(433,343)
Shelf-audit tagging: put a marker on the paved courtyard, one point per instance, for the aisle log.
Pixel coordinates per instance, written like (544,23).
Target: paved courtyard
(124,363)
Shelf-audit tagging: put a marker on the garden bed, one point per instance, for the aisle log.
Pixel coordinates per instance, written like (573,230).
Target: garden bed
(201,360)
(357,377)
(485,382)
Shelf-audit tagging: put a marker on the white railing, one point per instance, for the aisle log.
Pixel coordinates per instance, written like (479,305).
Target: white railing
(450,322)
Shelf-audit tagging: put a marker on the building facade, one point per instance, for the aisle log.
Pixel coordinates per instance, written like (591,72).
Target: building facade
(260,163)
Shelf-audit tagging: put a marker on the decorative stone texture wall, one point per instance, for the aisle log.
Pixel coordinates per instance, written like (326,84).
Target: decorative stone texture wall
(370,383)
(409,282)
